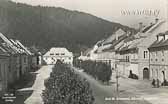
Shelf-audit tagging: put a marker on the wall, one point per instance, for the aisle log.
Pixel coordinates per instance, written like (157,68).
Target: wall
(4,72)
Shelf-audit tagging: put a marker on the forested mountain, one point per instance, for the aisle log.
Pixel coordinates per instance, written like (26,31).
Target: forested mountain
(49,26)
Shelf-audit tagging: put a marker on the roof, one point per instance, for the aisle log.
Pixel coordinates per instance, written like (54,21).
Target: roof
(59,50)
(160,43)
(146,37)
(112,37)
(133,45)
(3,51)
(23,47)
(13,47)
(85,53)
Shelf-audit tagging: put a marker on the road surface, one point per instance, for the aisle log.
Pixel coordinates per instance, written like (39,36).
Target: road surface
(104,94)
(38,86)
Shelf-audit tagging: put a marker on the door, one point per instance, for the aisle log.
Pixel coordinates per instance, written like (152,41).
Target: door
(145,73)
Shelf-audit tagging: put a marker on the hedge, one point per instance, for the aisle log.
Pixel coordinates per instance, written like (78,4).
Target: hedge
(65,87)
(98,70)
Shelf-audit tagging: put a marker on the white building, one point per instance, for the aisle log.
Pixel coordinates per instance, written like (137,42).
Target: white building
(57,53)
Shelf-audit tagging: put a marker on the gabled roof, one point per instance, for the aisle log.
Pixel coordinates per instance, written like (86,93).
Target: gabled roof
(146,37)
(59,50)
(3,51)
(23,47)
(112,37)
(13,47)
(5,39)
(18,48)
(8,48)
(161,43)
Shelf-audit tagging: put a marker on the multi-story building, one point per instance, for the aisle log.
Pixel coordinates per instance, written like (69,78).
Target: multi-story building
(158,62)
(134,54)
(58,53)
(104,50)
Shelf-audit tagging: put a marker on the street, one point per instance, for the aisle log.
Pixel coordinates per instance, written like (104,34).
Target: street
(36,89)
(104,94)
(128,88)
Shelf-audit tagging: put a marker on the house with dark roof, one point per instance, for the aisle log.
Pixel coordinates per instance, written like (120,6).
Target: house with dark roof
(17,60)
(104,50)
(4,70)
(134,54)
(158,62)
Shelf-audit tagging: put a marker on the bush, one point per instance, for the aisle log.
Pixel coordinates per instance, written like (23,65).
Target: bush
(65,87)
(98,70)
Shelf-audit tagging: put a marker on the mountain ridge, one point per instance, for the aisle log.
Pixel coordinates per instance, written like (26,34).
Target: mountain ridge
(53,26)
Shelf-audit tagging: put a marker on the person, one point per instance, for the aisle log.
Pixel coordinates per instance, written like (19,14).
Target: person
(130,74)
(154,83)
(157,81)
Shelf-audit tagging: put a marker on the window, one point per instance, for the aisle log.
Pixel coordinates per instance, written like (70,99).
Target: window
(162,59)
(57,54)
(62,53)
(145,54)
(162,53)
(156,59)
(128,58)
(151,59)
(156,54)
(51,53)
(69,58)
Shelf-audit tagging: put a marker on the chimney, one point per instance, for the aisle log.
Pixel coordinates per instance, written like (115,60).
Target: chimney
(81,53)
(128,33)
(166,35)
(156,20)
(160,36)
(140,26)
(157,37)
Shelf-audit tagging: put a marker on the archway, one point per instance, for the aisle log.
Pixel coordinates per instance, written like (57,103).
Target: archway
(145,73)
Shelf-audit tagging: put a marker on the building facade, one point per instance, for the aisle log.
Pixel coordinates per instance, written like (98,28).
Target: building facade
(58,53)
(4,70)
(159,58)
(134,54)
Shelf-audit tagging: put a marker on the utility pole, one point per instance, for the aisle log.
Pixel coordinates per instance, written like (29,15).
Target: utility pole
(117,81)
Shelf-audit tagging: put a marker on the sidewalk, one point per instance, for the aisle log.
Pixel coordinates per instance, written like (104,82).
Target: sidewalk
(143,89)
(31,93)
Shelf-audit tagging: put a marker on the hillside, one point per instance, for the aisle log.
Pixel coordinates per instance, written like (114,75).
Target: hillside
(49,26)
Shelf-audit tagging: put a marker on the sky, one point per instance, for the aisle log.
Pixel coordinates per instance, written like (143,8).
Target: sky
(126,12)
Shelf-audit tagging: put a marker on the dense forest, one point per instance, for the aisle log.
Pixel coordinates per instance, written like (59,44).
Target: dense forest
(46,27)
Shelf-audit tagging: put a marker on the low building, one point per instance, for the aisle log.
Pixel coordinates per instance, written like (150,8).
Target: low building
(159,58)
(4,70)
(57,53)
